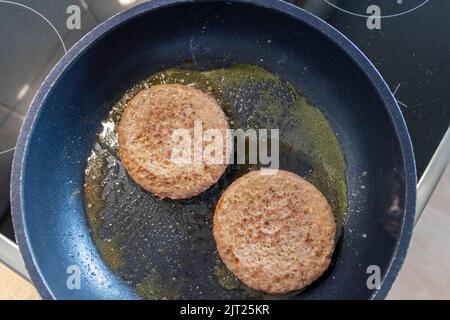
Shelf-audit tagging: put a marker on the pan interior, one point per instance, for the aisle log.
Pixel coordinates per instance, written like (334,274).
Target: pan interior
(165,249)
(48,201)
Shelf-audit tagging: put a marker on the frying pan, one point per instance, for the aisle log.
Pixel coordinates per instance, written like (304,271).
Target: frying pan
(61,126)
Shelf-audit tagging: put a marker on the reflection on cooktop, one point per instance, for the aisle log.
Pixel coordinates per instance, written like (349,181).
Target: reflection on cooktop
(6,226)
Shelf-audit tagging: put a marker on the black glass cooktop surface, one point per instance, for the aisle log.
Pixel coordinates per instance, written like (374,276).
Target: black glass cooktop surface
(409,44)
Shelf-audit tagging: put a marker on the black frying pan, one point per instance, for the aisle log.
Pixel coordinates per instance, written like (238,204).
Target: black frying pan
(60,131)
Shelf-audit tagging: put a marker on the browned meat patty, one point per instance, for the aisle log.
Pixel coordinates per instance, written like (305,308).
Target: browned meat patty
(145,139)
(276,233)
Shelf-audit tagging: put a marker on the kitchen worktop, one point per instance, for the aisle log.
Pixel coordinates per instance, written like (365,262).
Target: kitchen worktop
(14,287)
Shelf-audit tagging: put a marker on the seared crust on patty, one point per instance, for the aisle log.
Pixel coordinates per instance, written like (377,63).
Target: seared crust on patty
(145,139)
(276,233)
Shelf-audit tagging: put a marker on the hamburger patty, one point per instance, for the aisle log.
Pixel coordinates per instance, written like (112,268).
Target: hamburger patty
(276,233)
(145,139)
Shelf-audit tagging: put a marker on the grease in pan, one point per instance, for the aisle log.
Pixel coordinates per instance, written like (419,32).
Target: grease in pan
(165,248)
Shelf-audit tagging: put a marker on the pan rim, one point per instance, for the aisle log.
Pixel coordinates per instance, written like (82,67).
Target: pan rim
(344,44)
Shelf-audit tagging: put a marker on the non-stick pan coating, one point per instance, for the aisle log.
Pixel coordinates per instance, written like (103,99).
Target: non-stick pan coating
(61,126)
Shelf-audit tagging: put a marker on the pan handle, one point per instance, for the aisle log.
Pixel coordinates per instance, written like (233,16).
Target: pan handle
(432,175)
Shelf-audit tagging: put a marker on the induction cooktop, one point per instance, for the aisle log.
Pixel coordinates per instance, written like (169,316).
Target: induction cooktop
(407,40)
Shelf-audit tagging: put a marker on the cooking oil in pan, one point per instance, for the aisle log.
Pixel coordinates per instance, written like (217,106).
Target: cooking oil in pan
(165,249)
